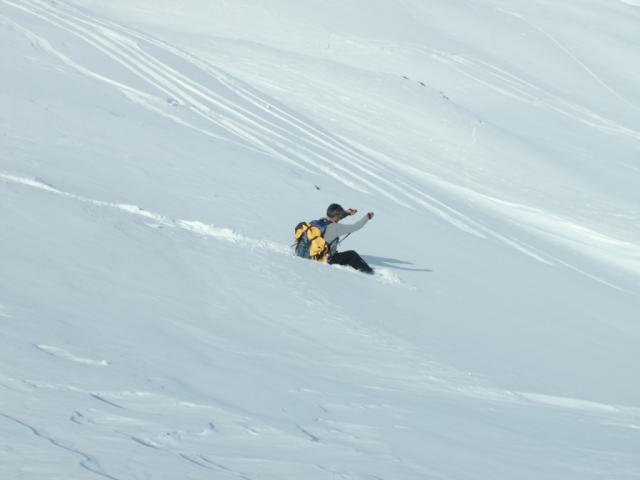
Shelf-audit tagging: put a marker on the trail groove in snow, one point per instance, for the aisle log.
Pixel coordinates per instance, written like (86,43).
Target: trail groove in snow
(64,354)
(200,228)
(88,462)
(550,401)
(252,120)
(519,89)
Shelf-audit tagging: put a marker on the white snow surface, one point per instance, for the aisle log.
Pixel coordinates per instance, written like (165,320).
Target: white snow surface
(155,156)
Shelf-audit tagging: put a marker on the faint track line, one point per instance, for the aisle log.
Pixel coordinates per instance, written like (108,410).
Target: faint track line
(88,462)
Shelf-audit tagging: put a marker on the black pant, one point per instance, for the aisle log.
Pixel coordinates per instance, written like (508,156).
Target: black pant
(352,259)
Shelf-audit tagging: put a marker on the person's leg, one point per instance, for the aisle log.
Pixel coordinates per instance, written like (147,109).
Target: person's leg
(352,259)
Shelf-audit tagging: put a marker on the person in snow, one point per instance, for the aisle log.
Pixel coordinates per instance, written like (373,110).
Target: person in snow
(335,230)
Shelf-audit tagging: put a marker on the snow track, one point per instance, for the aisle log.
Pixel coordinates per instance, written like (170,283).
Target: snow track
(521,90)
(64,354)
(232,108)
(158,220)
(88,462)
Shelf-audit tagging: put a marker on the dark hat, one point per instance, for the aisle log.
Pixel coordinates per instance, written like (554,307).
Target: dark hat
(336,209)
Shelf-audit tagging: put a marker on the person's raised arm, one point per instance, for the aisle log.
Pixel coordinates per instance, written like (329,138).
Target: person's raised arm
(344,229)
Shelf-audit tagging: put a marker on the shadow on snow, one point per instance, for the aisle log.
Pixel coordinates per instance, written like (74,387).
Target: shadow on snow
(392,263)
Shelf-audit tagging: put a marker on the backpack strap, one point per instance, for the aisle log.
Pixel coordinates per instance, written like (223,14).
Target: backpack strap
(322,224)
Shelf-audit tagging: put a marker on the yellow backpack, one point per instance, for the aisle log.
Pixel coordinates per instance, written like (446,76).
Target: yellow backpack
(309,240)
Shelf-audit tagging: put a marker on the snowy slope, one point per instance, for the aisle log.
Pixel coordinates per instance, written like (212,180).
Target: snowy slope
(154,160)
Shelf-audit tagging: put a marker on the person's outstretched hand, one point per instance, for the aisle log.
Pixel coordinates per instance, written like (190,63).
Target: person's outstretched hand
(370,215)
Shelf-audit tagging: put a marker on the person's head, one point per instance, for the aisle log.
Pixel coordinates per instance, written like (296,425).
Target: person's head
(336,213)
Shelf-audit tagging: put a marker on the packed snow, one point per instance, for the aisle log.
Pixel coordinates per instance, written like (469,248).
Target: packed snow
(155,157)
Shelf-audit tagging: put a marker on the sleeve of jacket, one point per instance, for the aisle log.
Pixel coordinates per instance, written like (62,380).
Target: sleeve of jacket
(343,229)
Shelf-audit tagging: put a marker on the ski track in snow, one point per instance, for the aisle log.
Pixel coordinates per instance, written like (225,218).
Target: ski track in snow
(200,228)
(64,354)
(140,412)
(507,84)
(139,400)
(621,416)
(143,418)
(124,405)
(223,234)
(573,57)
(225,105)
(88,462)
